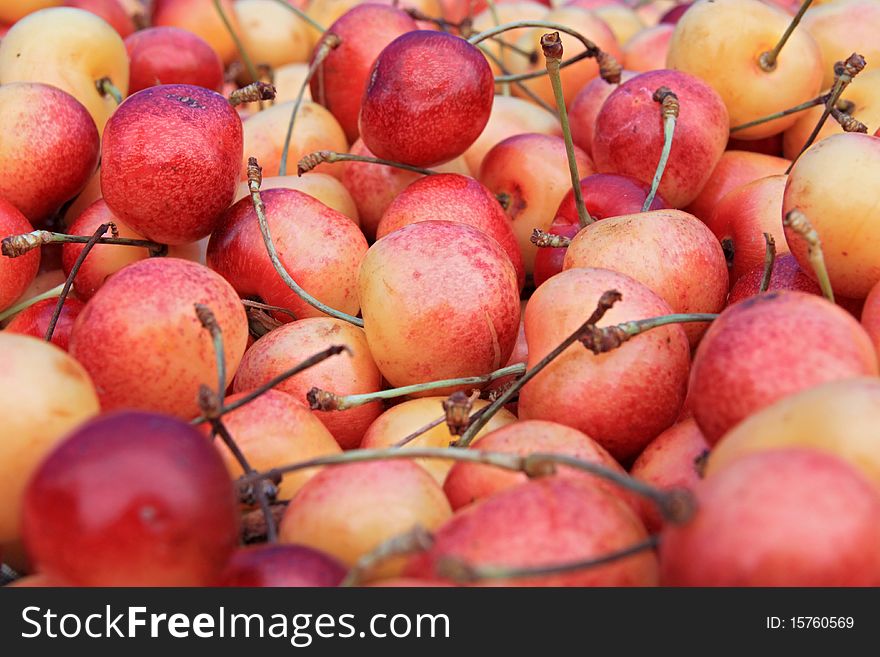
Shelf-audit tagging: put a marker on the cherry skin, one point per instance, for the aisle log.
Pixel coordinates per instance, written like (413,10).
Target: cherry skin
(35,319)
(170,161)
(428,98)
(282,565)
(132,499)
(16,274)
(169,55)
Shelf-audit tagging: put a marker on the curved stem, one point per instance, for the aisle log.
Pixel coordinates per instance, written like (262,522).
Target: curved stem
(312,160)
(669,107)
(24,305)
(769,259)
(248,303)
(209,323)
(242,51)
(519,85)
(677,505)
(607,338)
(65,290)
(461,572)
(798,223)
(328,43)
(552,46)
(255,178)
(302,15)
(606,301)
(505,86)
(321,400)
(767,60)
(418,539)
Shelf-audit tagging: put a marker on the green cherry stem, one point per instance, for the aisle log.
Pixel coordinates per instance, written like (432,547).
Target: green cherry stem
(461,572)
(767,60)
(797,222)
(24,305)
(551,44)
(312,160)
(418,539)
(255,179)
(324,48)
(669,108)
(302,15)
(321,400)
(242,51)
(106,88)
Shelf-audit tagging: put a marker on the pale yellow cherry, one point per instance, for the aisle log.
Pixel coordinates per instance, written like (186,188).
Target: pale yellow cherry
(315,129)
(272,34)
(44,394)
(401,420)
(844,27)
(863,92)
(841,417)
(70,49)
(623,21)
(321,186)
(288,80)
(721,42)
(509,12)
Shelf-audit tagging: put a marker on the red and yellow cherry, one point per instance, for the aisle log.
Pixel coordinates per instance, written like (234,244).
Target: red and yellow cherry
(765,348)
(346,511)
(271,34)
(453,197)
(647,375)
(786,517)
(34,320)
(201,18)
(110,10)
(16,274)
(840,28)
(833,184)
(324,187)
(344,374)
(647,49)
(320,248)
(871,316)
(438,274)
(628,135)
(13,10)
(585,106)
(142,343)
(553,520)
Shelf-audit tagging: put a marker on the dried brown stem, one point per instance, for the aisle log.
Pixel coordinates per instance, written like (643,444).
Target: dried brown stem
(769,259)
(798,223)
(418,539)
(544,240)
(252,93)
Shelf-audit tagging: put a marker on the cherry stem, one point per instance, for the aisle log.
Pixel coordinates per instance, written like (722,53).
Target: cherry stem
(254,528)
(209,323)
(606,301)
(609,68)
(767,60)
(493,10)
(211,404)
(551,44)
(252,93)
(271,383)
(544,240)
(106,88)
(844,72)
(460,572)
(312,160)
(248,303)
(242,51)
(847,121)
(302,15)
(418,539)
(17,245)
(325,47)
(65,290)
(255,179)
(607,338)
(321,400)
(669,110)
(519,85)
(677,505)
(769,259)
(798,222)
(24,305)
(818,100)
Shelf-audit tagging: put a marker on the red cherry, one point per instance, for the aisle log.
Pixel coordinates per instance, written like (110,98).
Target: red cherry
(282,565)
